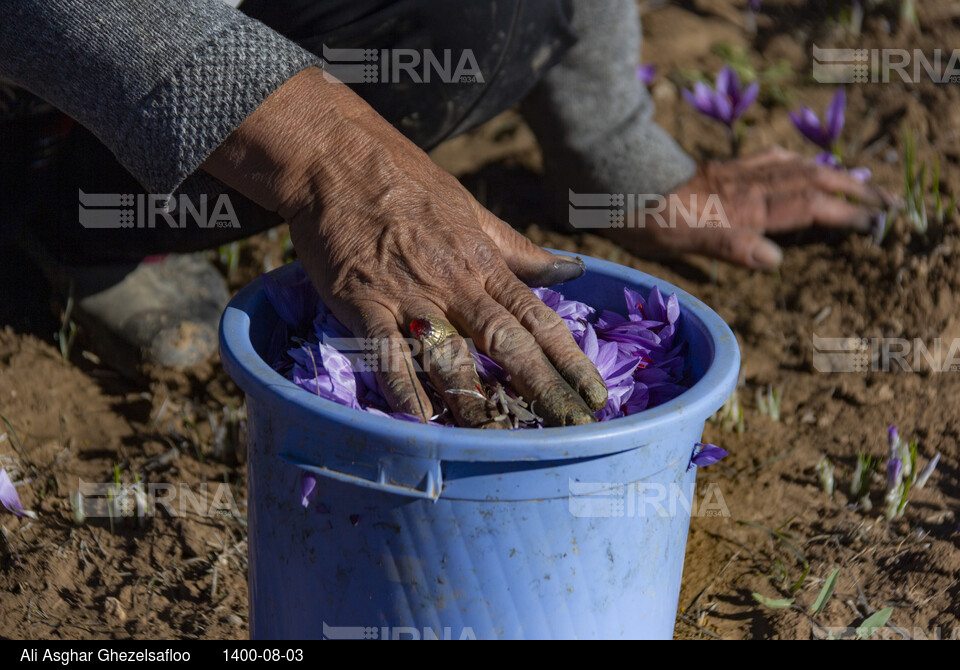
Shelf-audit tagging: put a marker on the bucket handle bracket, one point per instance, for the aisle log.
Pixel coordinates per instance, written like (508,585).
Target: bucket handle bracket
(401,475)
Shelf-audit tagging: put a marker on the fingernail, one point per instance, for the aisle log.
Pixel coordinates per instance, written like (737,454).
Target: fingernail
(766,255)
(564,409)
(579,418)
(562,270)
(595,393)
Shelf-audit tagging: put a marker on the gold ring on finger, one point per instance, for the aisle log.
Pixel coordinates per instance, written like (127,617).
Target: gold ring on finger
(431,331)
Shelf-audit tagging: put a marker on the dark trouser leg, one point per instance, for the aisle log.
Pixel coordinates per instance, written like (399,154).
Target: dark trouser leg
(86,165)
(511,43)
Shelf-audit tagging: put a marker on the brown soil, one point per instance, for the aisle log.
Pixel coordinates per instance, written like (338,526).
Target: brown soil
(78,420)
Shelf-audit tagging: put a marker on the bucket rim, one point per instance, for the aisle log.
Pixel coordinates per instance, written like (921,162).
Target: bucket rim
(260,381)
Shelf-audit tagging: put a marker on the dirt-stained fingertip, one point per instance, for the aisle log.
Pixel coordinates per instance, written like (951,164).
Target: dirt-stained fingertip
(594,392)
(565,411)
(578,417)
(562,270)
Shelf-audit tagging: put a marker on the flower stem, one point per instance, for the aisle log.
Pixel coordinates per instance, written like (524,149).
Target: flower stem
(736,140)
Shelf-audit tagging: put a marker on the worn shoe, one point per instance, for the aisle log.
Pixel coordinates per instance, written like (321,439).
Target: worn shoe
(162,312)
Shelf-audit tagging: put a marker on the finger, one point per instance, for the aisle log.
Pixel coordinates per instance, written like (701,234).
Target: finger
(533,265)
(798,210)
(841,181)
(452,371)
(739,246)
(498,334)
(798,174)
(770,156)
(554,338)
(395,370)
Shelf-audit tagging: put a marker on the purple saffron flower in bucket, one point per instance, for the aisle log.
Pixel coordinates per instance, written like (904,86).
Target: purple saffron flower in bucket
(638,400)
(296,302)
(604,356)
(9,497)
(647,73)
(654,310)
(575,313)
(324,371)
(617,372)
(707,454)
(636,356)
(488,369)
(825,135)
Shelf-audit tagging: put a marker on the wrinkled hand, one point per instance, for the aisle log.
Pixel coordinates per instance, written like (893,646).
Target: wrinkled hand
(397,240)
(388,238)
(775,191)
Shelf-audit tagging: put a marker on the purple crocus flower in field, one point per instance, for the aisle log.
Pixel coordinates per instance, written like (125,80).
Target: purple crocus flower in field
(755,5)
(927,471)
(861,174)
(828,159)
(894,473)
(826,134)
(707,454)
(893,440)
(728,102)
(647,73)
(9,497)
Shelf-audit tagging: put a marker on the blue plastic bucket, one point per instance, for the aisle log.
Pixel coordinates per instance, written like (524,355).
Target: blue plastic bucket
(428,532)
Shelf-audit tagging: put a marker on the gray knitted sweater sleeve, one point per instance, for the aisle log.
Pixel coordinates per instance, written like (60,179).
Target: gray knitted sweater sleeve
(162,83)
(594,120)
